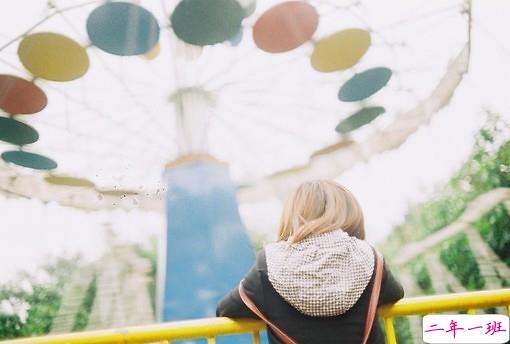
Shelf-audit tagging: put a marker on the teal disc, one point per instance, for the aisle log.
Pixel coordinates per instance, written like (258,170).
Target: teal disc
(364,84)
(359,119)
(16,132)
(123,28)
(30,160)
(207,22)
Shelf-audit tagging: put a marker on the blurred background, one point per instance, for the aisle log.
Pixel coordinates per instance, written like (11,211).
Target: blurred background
(147,147)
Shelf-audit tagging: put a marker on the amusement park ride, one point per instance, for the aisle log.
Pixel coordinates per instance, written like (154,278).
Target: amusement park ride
(204,229)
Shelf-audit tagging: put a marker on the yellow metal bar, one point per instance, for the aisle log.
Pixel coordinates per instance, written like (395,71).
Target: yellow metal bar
(210,328)
(471,311)
(211,340)
(255,337)
(390,331)
(447,302)
(188,329)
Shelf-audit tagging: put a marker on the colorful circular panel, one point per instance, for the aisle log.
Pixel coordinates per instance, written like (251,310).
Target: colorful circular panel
(359,119)
(341,50)
(53,57)
(122,28)
(285,26)
(364,84)
(30,160)
(207,22)
(153,53)
(19,96)
(68,181)
(16,132)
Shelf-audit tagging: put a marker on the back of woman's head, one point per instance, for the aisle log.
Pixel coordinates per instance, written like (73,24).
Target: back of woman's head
(320,206)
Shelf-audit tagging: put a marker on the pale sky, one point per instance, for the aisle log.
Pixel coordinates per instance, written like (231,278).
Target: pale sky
(275,122)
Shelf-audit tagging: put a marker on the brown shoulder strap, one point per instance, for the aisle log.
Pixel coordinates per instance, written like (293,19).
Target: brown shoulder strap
(372,306)
(253,307)
(374,296)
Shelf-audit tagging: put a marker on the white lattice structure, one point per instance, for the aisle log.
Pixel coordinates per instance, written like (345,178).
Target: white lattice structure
(122,296)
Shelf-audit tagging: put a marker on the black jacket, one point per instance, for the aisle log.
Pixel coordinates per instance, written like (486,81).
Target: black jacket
(346,328)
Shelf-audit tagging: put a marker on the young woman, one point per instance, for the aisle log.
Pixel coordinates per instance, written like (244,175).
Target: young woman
(315,282)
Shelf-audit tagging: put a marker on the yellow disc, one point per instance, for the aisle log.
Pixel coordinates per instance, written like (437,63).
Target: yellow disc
(52,56)
(153,53)
(341,50)
(68,181)
(119,192)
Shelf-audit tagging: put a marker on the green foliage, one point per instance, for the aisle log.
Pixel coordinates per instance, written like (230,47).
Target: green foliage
(487,167)
(10,326)
(403,330)
(458,258)
(44,302)
(82,317)
(151,254)
(495,229)
(34,299)
(422,276)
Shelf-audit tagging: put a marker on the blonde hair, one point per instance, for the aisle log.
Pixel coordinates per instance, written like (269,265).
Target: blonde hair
(320,206)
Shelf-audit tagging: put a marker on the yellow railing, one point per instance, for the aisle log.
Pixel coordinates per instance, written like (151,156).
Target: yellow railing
(213,327)
(469,302)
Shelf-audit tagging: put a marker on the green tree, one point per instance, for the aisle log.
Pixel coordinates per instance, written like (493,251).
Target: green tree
(34,298)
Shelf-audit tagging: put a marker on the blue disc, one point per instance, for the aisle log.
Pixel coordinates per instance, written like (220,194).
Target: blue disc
(207,22)
(30,160)
(123,28)
(16,132)
(359,119)
(364,84)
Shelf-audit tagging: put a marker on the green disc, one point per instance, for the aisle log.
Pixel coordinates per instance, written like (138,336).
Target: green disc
(364,84)
(359,119)
(16,132)
(207,22)
(30,160)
